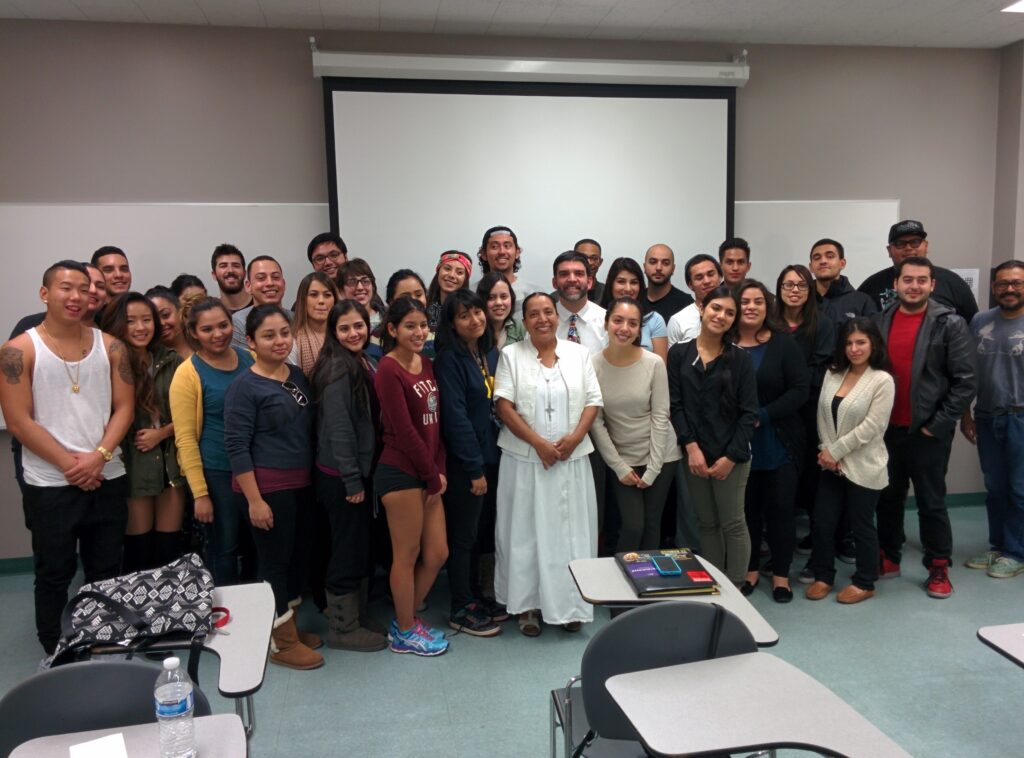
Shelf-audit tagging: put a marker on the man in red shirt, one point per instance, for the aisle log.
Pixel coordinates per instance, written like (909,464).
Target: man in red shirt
(933,364)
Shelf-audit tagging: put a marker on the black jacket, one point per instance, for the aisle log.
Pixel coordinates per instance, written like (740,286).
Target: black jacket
(842,303)
(346,433)
(944,381)
(716,408)
(470,433)
(950,290)
(817,350)
(782,387)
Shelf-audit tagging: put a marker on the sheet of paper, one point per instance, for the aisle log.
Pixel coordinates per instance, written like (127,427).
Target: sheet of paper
(111,746)
(971,276)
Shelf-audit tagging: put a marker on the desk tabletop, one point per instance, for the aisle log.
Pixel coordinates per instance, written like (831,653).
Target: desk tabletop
(221,735)
(691,709)
(243,649)
(601,582)
(1007,639)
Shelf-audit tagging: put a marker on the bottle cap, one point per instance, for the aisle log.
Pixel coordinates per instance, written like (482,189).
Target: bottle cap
(171,663)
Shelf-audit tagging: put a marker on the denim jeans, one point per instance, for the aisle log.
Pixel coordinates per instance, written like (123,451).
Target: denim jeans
(922,460)
(838,495)
(349,562)
(463,511)
(67,522)
(279,564)
(1001,451)
(227,537)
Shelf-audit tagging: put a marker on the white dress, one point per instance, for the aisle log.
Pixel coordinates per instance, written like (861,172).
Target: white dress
(545,518)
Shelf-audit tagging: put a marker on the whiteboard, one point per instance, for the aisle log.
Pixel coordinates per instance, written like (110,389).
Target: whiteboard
(161,240)
(782,232)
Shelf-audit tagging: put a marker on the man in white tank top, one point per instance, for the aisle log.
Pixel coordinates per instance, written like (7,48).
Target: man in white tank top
(67,396)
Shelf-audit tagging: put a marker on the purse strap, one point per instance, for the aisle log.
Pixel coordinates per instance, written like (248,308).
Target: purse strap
(126,613)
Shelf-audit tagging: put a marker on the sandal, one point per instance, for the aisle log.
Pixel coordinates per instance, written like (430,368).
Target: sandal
(529,623)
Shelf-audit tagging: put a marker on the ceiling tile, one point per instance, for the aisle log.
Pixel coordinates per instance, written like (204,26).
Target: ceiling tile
(172,11)
(351,15)
(110,10)
(48,10)
(233,12)
(292,14)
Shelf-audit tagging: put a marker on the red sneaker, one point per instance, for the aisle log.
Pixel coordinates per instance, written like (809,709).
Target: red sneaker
(938,584)
(887,569)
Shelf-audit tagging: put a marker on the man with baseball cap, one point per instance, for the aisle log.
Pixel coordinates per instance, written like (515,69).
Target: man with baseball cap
(908,238)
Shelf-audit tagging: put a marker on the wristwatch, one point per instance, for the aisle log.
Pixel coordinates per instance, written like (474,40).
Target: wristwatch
(107,455)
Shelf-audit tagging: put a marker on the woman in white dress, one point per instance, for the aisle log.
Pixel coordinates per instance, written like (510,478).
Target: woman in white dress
(546,394)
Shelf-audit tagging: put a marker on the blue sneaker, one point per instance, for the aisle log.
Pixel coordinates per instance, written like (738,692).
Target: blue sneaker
(417,621)
(417,641)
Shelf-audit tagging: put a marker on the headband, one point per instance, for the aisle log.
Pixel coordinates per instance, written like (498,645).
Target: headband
(459,258)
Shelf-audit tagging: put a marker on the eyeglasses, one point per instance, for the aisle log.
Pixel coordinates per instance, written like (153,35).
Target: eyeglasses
(913,244)
(362,281)
(790,286)
(295,392)
(319,260)
(1004,284)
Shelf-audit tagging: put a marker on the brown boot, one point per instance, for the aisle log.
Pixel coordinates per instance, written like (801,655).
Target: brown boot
(345,631)
(365,619)
(287,650)
(311,640)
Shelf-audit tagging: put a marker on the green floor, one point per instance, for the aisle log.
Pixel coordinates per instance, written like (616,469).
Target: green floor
(911,664)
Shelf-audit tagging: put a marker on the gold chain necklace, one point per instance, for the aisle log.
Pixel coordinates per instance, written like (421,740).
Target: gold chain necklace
(75,386)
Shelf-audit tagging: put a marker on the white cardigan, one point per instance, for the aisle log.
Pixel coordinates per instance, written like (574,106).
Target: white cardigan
(516,381)
(859,441)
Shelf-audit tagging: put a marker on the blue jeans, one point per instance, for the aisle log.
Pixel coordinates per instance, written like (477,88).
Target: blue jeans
(1001,451)
(228,538)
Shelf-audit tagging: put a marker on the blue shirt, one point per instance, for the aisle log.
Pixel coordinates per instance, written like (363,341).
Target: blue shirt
(767,452)
(652,326)
(214,383)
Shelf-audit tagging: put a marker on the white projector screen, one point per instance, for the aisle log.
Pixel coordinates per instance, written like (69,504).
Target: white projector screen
(418,172)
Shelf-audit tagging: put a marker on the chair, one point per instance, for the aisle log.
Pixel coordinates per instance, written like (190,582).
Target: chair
(79,697)
(651,636)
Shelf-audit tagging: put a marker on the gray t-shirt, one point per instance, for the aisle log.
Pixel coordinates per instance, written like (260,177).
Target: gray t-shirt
(1000,345)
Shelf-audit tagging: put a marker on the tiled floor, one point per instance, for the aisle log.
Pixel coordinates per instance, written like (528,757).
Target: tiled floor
(911,664)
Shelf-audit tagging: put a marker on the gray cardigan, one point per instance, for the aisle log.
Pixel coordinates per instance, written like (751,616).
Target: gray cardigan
(346,435)
(857,440)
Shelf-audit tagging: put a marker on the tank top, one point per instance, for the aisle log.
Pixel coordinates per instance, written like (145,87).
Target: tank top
(76,420)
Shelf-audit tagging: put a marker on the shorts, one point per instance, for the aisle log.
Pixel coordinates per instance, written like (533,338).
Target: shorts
(391,479)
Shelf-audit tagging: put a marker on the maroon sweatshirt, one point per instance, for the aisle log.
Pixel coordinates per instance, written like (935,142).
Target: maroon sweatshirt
(410,418)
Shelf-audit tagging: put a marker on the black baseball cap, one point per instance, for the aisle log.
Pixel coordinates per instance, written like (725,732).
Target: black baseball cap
(903,228)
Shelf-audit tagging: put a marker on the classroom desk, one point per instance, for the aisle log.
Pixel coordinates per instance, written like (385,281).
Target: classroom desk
(241,646)
(692,709)
(1007,639)
(219,736)
(601,582)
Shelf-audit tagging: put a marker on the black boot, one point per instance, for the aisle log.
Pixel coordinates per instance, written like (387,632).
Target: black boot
(167,547)
(138,552)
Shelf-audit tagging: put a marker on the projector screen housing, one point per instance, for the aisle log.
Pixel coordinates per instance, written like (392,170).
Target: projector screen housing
(417,167)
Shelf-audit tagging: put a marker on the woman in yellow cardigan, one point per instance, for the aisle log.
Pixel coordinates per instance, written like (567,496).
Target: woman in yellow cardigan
(197,410)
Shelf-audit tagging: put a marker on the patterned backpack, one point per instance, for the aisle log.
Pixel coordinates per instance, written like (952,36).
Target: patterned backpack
(133,610)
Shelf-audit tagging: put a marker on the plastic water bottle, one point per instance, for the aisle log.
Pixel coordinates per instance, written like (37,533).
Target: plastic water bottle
(174,705)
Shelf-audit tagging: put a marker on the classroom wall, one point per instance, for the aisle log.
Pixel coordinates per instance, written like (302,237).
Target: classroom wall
(134,113)
(1008,222)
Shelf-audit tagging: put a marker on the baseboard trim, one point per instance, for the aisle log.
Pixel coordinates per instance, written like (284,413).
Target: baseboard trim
(959,500)
(9,566)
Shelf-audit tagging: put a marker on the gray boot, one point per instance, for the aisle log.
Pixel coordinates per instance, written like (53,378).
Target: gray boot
(344,631)
(365,619)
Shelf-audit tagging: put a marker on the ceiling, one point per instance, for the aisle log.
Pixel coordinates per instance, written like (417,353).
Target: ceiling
(917,23)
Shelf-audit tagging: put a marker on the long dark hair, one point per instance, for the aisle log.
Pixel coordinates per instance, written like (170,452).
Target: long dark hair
(771,323)
(434,290)
(336,360)
(301,317)
(879,359)
(630,266)
(447,338)
(724,290)
(809,311)
(486,284)
(624,301)
(115,323)
(400,276)
(397,311)
(192,308)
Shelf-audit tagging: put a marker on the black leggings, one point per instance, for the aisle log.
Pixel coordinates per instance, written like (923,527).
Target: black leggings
(463,511)
(279,563)
(770,500)
(349,562)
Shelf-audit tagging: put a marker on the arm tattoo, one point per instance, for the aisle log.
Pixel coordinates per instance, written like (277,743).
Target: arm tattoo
(12,363)
(120,355)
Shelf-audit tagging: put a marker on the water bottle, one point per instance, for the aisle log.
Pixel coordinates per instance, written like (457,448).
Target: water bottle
(174,705)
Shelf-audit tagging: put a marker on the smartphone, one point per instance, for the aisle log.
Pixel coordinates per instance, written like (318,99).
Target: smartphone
(666,566)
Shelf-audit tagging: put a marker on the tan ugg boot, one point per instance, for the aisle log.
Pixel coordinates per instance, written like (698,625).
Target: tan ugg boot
(287,650)
(345,631)
(309,639)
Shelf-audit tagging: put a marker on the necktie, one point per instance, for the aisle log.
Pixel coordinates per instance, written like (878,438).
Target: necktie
(574,334)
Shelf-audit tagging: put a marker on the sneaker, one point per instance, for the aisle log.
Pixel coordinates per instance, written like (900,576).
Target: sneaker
(806,575)
(434,631)
(1005,567)
(803,547)
(887,569)
(983,561)
(497,612)
(417,641)
(845,551)
(473,620)
(938,584)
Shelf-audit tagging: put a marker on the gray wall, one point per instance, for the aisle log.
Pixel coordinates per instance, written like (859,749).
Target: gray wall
(129,113)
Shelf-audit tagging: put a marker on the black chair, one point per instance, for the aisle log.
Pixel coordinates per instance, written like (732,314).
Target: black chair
(78,697)
(648,637)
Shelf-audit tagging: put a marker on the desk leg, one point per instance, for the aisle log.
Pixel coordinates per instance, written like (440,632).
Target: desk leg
(247,712)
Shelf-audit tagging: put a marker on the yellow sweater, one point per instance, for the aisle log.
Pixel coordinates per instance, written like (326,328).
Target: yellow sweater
(187,414)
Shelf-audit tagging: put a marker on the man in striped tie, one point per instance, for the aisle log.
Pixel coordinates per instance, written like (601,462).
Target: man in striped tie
(579,319)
